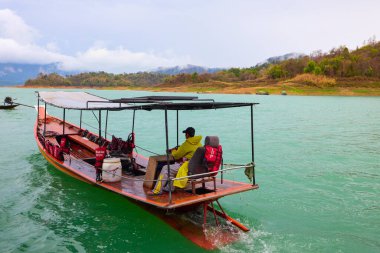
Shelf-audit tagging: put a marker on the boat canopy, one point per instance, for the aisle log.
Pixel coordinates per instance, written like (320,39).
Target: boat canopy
(87,101)
(76,100)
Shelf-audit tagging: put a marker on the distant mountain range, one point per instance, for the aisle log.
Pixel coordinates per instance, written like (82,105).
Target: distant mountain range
(186,69)
(18,73)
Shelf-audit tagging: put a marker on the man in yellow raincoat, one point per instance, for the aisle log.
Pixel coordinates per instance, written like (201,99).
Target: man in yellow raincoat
(182,155)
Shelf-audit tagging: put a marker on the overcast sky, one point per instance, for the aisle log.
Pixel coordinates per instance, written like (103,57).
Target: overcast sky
(128,36)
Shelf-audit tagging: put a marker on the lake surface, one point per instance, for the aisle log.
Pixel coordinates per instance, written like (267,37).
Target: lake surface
(318,167)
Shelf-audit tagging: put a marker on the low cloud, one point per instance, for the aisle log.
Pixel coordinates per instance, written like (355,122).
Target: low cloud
(15,52)
(117,60)
(18,45)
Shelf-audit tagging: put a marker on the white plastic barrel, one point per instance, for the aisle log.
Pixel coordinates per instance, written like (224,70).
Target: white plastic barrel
(111,170)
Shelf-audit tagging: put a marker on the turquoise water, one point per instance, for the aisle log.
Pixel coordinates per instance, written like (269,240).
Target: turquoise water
(318,167)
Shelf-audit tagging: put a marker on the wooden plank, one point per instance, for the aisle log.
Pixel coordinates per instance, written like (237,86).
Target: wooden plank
(84,141)
(152,168)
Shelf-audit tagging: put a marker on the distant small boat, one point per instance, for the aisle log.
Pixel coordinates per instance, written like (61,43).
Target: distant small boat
(284,93)
(262,93)
(8,104)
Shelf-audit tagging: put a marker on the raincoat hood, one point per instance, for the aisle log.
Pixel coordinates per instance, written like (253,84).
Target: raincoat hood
(187,148)
(194,140)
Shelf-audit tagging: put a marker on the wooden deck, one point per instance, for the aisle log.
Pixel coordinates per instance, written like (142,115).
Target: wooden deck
(129,186)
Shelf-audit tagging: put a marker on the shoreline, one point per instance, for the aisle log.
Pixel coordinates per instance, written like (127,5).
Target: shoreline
(292,90)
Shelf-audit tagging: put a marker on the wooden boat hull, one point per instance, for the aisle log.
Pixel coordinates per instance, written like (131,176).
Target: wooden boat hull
(188,228)
(7,107)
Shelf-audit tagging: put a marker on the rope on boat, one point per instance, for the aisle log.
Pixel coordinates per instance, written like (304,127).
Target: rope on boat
(90,125)
(154,153)
(23,105)
(232,164)
(210,173)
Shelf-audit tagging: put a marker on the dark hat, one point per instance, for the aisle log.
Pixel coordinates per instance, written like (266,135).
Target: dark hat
(190,131)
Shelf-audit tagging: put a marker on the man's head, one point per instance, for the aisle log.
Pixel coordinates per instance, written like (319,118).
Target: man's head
(190,132)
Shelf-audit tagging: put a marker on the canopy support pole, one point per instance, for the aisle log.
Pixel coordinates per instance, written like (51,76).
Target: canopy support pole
(133,121)
(45,122)
(105,130)
(80,120)
(100,123)
(38,107)
(177,128)
(167,155)
(64,121)
(252,147)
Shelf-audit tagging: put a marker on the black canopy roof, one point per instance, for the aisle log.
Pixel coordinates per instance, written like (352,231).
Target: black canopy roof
(189,106)
(86,101)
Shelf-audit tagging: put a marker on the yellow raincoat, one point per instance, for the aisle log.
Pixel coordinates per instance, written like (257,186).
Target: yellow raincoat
(187,150)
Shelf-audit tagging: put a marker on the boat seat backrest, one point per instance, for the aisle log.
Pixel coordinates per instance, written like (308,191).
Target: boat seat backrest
(197,164)
(212,141)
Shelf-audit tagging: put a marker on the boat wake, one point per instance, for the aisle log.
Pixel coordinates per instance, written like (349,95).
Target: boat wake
(217,231)
(223,235)
(253,241)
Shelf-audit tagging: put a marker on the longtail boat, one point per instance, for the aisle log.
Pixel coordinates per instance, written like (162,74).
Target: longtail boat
(72,149)
(8,104)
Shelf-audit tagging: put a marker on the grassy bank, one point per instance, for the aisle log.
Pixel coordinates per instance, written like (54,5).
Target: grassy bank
(277,88)
(289,89)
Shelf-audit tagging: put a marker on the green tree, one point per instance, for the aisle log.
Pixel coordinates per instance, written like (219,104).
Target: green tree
(235,71)
(194,77)
(310,67)
(369,72)
(317,70)
(276,71)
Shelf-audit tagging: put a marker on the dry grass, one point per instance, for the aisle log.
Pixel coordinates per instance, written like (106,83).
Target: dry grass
(315,80)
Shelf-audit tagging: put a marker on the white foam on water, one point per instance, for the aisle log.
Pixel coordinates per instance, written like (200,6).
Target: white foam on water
(255,240)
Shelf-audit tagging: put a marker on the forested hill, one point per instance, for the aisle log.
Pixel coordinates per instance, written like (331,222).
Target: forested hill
(338,66)
(98,79)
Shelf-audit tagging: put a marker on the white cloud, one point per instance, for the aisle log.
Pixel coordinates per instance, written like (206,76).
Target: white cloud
(18,45)
(52,47)
(16,52)
(118,60)
(13,27)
